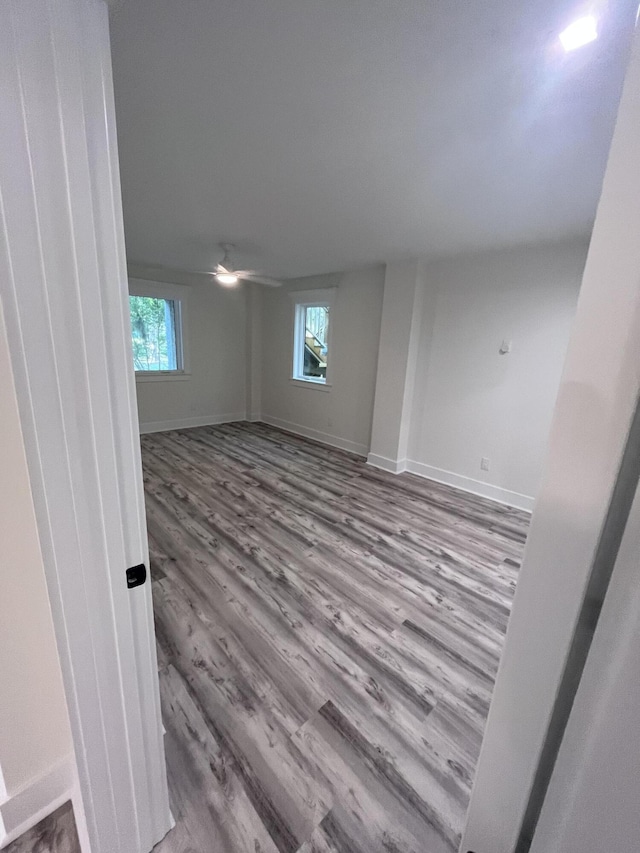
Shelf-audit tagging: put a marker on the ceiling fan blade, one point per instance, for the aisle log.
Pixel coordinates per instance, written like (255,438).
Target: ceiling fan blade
(218,269)
(249,275)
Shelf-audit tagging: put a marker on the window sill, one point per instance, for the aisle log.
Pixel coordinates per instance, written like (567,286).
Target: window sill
(310,383)
(161,377)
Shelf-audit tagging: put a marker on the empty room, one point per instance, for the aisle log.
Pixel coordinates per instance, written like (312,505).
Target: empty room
(303,442)
(339,470)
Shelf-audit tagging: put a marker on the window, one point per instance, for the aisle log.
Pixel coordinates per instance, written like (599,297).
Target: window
(156,330)
(311,339)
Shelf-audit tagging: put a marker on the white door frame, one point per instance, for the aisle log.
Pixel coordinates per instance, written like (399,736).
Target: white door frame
(571,531)
(592,801)
(63,286)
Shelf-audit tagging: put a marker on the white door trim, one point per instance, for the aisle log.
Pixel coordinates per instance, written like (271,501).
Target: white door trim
(63,285)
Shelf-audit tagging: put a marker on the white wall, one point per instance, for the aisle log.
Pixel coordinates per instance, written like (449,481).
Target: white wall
(36,751)
(470,401)
(342,414)
(215,390)
(593,799)
(597,401)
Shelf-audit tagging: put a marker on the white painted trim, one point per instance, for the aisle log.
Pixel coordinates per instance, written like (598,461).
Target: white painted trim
(158,289)
(468,484)
(323,296)
(317,435)
(310,383)
(64,291)
(393,466)
(38,798)
(81,818)
(465,484)
(161,375)
(185,423)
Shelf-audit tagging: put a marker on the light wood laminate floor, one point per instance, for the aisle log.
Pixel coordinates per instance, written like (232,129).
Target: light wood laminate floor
(328,639)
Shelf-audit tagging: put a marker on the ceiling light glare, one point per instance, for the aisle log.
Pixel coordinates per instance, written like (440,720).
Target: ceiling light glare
(579,33)
(227,278)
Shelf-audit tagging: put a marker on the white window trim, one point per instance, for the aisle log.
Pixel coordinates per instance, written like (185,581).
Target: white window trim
(179,293)
(311,299)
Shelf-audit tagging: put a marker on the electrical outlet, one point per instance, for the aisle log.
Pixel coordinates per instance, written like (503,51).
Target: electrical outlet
(484,464)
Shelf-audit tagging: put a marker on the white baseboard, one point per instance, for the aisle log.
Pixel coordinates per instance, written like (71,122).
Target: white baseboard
(317,435)
(468,484)
(184,423)
(254,418)
(394,466)
(23,809)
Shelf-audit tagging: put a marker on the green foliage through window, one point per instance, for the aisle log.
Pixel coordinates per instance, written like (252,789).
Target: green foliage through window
(153,333)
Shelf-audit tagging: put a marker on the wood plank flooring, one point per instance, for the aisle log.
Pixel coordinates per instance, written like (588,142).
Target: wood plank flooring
(328,637)
(55,834)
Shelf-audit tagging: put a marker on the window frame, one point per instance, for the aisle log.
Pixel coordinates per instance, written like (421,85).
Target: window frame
(179,295)
(303,299)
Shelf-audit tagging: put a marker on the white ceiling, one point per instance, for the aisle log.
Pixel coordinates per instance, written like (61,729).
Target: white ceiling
(322,135)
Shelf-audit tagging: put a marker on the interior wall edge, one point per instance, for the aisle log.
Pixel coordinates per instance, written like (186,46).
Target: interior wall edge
(316,435)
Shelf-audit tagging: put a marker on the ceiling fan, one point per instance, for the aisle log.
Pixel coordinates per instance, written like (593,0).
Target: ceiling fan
(226,275)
